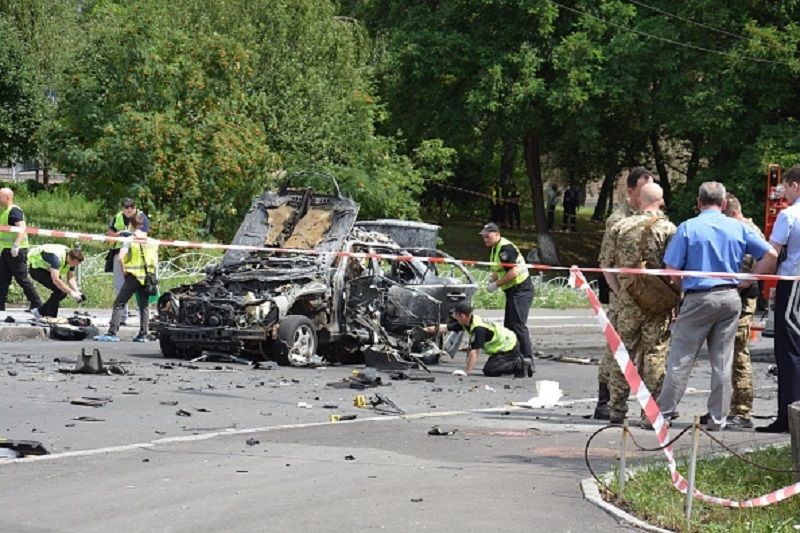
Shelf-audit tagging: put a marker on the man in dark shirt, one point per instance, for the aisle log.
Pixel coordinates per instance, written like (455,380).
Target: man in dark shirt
(14,251)
(499,343)
(510,274)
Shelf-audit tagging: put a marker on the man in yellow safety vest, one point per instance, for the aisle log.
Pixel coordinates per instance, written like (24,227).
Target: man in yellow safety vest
(120,226)
(499,343)
(510,274)
(137,260)
(49,263)
(14,252)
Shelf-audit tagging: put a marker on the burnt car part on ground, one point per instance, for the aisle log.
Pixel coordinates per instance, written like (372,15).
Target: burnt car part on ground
(296,307)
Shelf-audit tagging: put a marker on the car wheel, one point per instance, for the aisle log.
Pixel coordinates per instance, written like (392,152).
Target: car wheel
(168,348)
(297,341)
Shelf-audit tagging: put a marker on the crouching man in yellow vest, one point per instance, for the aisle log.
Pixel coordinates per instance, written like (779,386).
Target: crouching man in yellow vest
(137,260)
(50,264)
(499,343)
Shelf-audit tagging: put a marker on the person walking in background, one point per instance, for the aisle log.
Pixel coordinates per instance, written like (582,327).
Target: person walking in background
(136,261)
(552,202)
(709,242)
(120,226)
(570,204)
(515,282)
(49,263)
(498,212)
(785,238)
(512,208)
(14,252)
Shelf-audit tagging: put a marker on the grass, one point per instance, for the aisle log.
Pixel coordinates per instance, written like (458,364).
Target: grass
(549,293)
(650,495)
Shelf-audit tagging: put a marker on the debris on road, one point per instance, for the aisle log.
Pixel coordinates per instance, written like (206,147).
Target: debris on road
(349,458)
(304,405)
(89,401)
(341,418)
(182,412)
(169,402)
(252,441)
(576,360)
(362,401)
(416,500)
(88,419)
(12,373)
(24,447)
(548,393)
(436,431)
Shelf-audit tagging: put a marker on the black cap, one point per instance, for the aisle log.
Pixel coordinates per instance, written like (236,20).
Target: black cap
(128,202)
(489,228)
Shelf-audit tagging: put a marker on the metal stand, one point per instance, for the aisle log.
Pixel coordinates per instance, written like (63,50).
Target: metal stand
(692,468)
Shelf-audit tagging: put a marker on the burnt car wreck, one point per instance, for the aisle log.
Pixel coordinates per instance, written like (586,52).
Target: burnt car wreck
(317,302)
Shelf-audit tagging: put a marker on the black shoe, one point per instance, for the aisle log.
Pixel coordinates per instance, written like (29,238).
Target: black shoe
(601,412)
(737,422)
(775,427)
(529,368)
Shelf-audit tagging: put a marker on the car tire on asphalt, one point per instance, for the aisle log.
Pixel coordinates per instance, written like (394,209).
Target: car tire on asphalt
(168,348)
(297,341)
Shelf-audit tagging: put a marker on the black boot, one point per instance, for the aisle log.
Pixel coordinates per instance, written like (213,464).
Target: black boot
(601,411)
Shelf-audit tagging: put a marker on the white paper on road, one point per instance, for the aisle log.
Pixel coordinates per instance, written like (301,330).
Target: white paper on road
(547,395)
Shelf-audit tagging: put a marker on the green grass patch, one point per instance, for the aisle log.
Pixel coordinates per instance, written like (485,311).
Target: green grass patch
(650,495)
(549,293)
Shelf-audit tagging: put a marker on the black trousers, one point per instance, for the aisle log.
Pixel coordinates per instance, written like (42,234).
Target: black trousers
(503,363)
(50,307)
(787,354)
(518,305)
(16,268)
(514,220)
(130,287)
(569,220)
(551,216)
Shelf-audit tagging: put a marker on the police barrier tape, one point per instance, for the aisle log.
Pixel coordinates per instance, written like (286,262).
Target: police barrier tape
(61,234)
(653,412)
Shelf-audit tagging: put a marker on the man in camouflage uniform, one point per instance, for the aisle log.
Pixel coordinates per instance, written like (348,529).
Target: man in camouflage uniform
(637,178)
(645,335)
(742,373)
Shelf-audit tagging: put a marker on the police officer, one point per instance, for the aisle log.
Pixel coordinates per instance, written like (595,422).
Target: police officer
(14,252)
(642,236)
(515,282)
(742,371)
(637,178)
(120,226)
(136,261)
(499,343)
(49,263)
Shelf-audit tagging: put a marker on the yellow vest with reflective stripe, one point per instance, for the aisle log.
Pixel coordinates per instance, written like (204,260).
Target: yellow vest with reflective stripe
(7,238)
(119,225)
(495,258)
(35,259)
(139,254)
(503,339)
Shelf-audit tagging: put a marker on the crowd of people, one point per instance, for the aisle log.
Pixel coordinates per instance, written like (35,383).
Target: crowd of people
(54,266)
(665,321)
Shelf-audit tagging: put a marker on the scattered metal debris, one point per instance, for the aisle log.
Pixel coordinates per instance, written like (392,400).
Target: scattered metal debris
(183,412)
(252,441)
(89,401)
(24,447)
(436,431)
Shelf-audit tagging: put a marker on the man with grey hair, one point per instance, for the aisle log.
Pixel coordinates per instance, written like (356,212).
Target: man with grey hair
(709,242)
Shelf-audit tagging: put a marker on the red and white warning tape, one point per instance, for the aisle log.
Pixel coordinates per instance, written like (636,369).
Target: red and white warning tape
(389,257)
(653,412)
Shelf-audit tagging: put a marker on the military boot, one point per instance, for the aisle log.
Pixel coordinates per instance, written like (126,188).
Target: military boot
(601,411)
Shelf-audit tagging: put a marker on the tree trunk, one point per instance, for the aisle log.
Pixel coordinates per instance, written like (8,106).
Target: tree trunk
(694,162)
(661,167)
(533,167)
(45,173)
(606,191)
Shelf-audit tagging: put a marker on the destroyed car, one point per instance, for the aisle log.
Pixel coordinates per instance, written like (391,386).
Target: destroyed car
(324,291)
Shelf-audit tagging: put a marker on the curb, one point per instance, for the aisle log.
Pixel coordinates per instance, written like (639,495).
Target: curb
(24,333)
(591,492)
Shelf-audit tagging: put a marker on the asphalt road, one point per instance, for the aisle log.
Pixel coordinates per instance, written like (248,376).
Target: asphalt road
(143,467)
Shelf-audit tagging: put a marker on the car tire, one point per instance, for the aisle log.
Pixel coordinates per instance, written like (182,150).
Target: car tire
(297,341)
(168,348)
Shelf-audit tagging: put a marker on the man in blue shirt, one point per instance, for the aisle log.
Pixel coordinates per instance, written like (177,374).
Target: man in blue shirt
(786,237)
(709,242)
